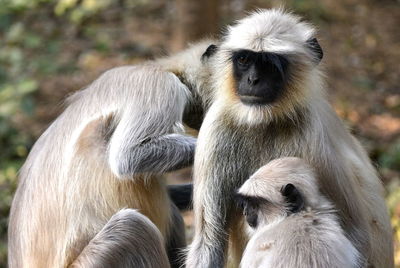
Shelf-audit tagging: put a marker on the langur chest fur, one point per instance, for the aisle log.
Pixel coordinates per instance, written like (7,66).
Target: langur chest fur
(241,149)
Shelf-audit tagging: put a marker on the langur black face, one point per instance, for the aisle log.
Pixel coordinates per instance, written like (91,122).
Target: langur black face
(254,206)
(250,206)
(260,76)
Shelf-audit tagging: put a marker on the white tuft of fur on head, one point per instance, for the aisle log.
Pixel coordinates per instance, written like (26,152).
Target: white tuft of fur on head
(271,30)
(268,181)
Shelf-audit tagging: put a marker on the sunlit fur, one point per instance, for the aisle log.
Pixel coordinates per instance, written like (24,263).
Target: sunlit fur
(235,140)
(310,238)
(82,170)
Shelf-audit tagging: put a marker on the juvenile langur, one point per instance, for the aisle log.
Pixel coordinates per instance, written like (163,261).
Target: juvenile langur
(129,239)
(268,103)
(105,152)
(291,224)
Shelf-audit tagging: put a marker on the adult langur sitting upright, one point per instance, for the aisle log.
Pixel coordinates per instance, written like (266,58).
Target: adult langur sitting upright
(268,103)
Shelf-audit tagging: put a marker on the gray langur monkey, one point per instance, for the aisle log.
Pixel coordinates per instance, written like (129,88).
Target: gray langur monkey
(108,150)
(269,102)
(290,223)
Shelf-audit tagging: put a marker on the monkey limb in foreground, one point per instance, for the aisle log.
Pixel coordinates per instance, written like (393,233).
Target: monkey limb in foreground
(129,239)
(292,225)
(105,152)
(269,103)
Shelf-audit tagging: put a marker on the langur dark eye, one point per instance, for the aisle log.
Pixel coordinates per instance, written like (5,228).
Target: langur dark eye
(243,61)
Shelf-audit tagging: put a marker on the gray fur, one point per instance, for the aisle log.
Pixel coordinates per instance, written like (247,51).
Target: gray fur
(162,154)
(105,152)
(129,239)
(235,140)
(133,148)
(309,238)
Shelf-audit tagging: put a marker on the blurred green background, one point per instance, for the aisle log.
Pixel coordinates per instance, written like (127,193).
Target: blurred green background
(50,48)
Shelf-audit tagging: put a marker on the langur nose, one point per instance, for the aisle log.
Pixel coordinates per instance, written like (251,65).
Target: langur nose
(252,80)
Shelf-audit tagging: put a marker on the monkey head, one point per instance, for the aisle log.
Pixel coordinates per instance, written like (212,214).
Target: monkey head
(197,76)
(193,68)
(267,66)
(282,187)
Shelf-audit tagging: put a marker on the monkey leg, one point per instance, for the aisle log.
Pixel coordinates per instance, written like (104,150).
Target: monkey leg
(176,242)
(213,208)
(237,239)
(129,239)
(162,154)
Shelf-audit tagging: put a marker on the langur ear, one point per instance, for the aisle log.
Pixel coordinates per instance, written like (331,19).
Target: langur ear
(316,49)
(209,51)
(294,199)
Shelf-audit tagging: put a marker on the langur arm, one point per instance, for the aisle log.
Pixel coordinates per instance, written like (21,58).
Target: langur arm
(162,154)
(147,137)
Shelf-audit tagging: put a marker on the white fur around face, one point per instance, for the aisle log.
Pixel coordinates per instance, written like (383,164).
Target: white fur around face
(269,30)
(273,31)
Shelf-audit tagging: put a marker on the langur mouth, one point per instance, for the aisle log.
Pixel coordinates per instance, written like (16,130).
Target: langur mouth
(253,100)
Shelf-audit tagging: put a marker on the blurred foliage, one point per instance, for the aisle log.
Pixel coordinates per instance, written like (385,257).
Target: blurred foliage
(77,12)
(313,10)
(43,39)
(390,160)
(391,157)
(393,202)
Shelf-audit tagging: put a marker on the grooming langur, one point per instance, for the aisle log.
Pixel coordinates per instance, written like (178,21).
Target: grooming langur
(129,239)
(291,224)
(268,103)
(105,152)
